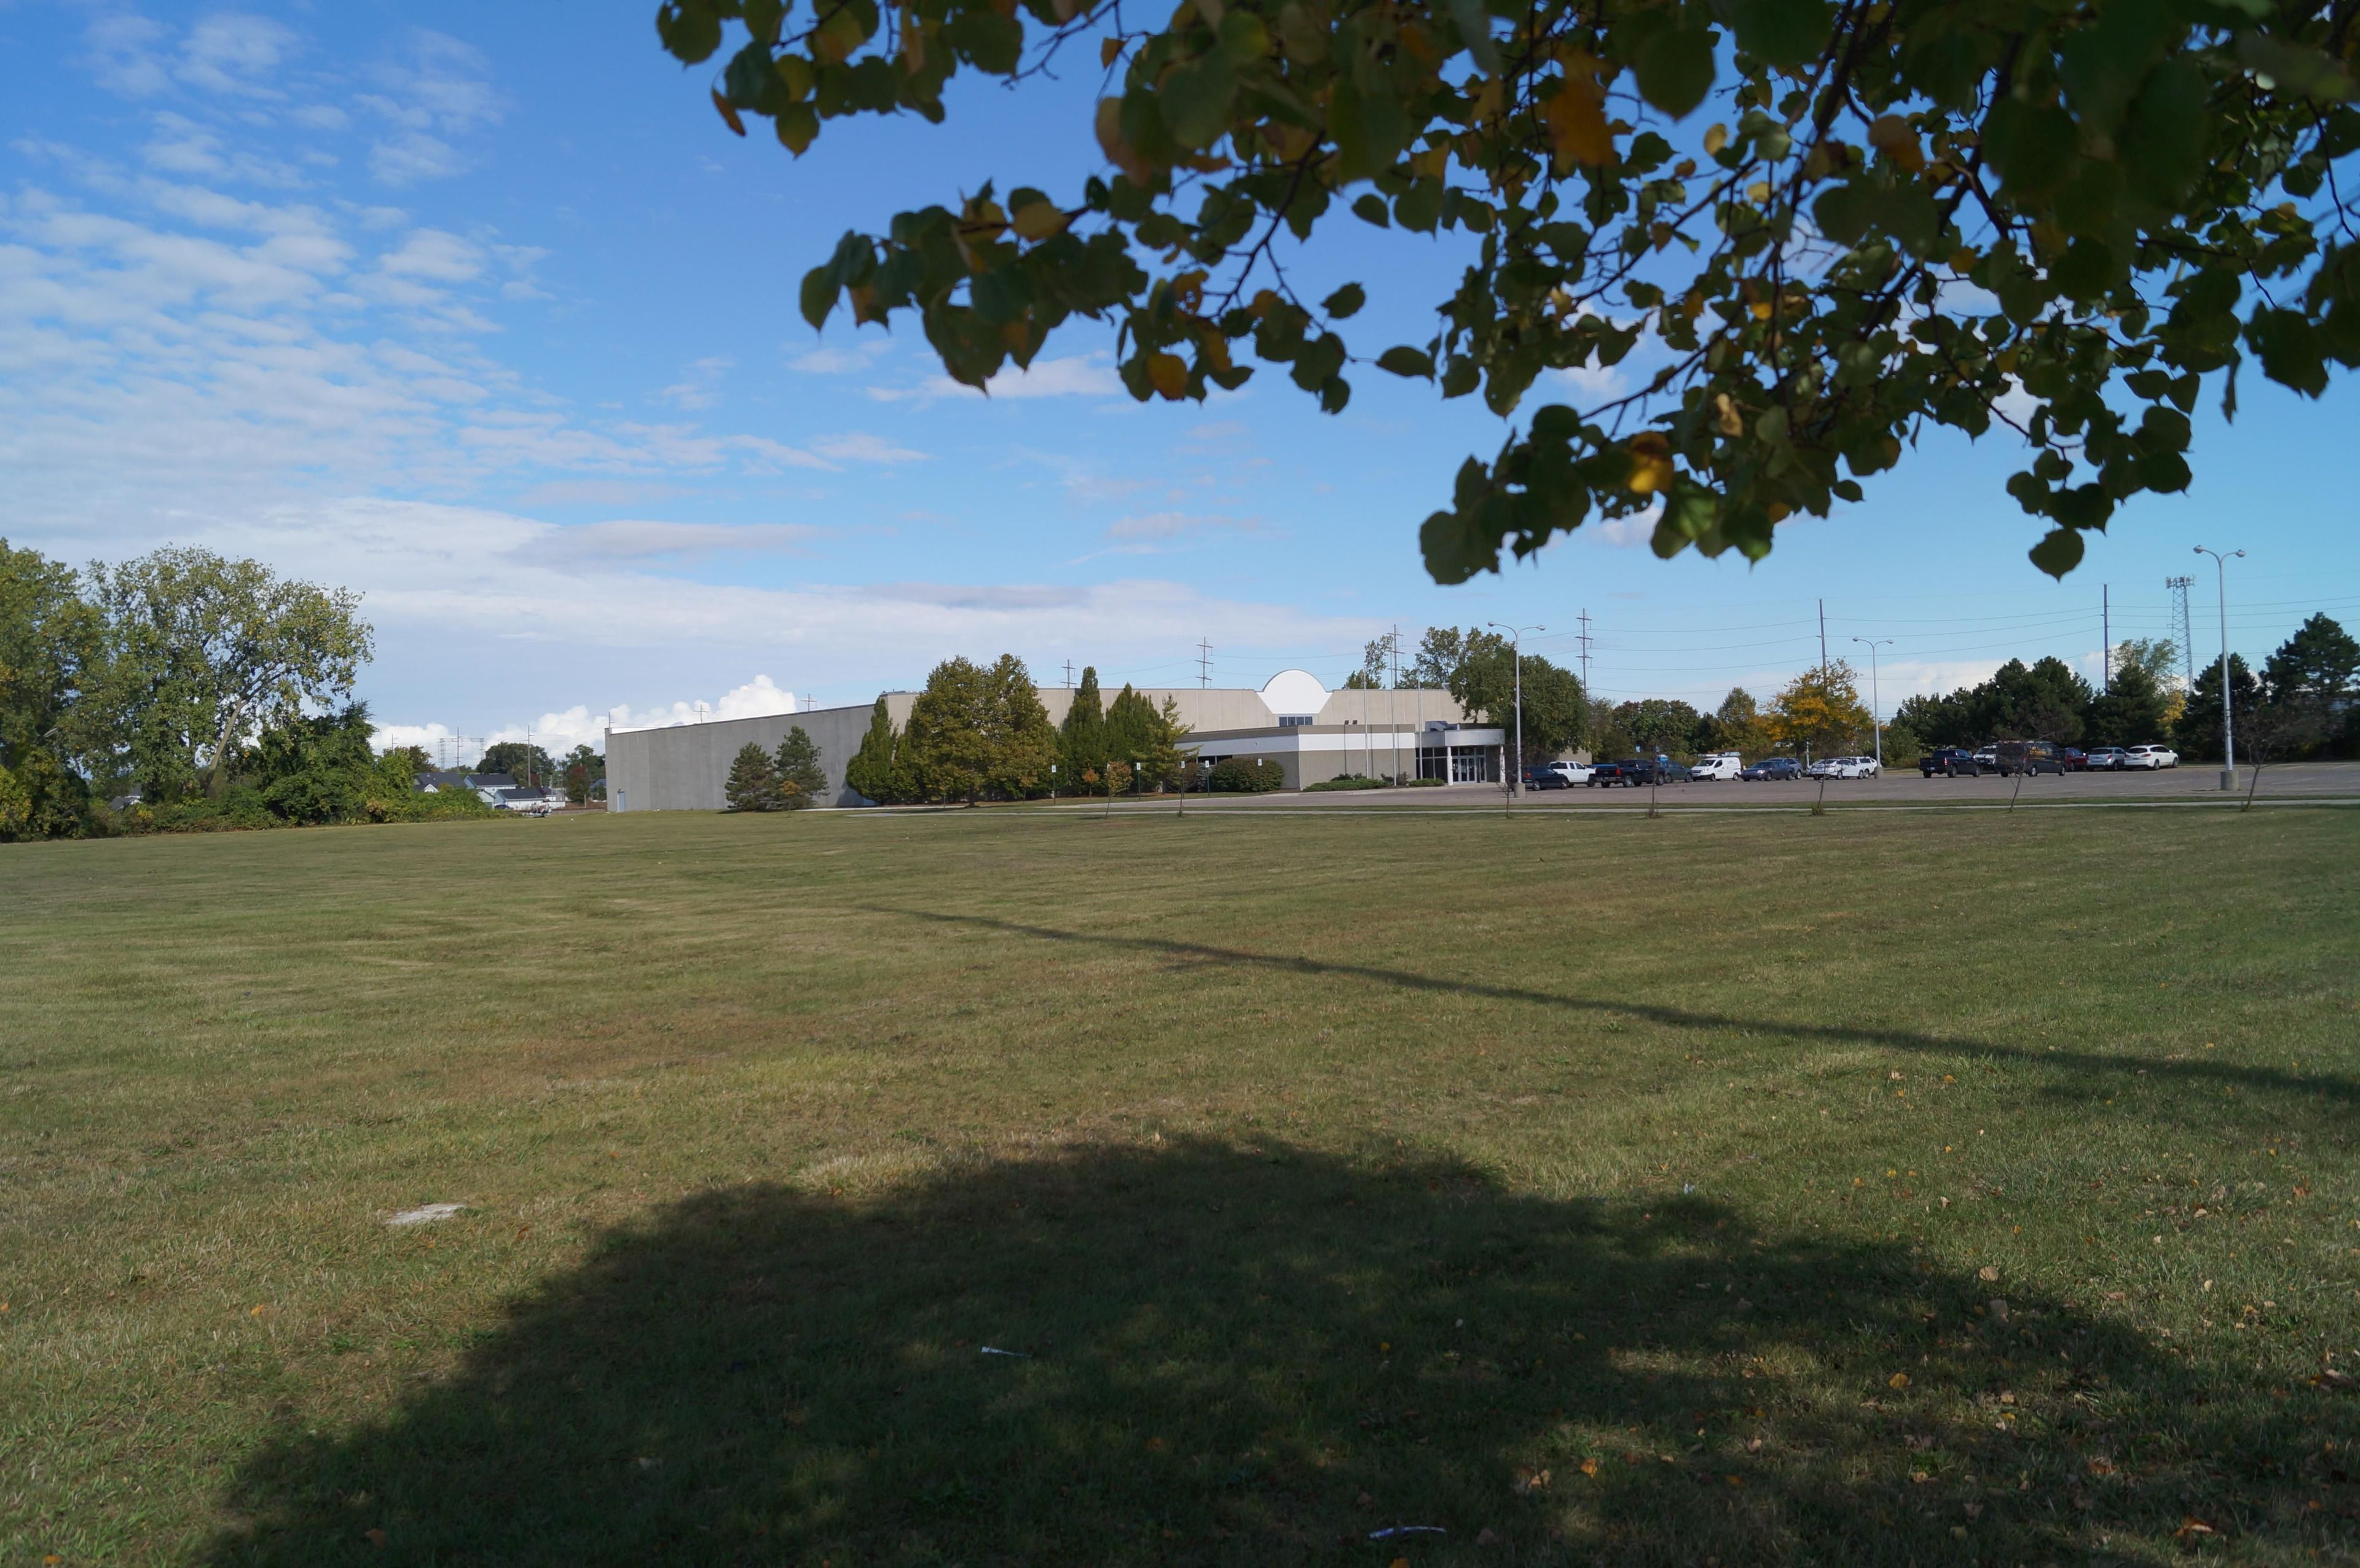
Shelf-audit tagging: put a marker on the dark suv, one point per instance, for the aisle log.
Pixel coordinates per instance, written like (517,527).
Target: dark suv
(2030,756)
(1949,761)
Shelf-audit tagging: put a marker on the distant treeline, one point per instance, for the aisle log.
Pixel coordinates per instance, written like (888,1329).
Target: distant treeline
(207,688)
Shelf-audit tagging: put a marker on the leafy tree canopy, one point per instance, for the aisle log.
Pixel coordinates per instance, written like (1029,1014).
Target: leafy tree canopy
(524,763)
(204,653)
(1819,712)
(1837,222)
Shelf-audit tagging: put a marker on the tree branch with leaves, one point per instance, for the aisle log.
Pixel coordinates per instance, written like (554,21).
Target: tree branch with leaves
(1836,225)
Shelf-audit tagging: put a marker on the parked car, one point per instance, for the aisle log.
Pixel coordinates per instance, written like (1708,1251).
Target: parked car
(1870,765)
(1821,768)
(1852,768)
(1543,779)
(2029,756)
(1772,769)
(1571,772)
(2075,761)
(1606,775)
(2105,758)
(1949,761)
(2150,756)
(1718,764)
(1987,758)
(1663,770)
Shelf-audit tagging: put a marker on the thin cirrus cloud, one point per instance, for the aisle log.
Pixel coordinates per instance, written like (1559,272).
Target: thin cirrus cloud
(1079,376)
(1161,525)
(630,540)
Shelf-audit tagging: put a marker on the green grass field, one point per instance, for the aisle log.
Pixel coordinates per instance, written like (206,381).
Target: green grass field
(1865,1189)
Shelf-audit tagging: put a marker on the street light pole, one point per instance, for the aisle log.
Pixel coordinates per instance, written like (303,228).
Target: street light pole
(1516,651)
(2228,726)
(1875,703)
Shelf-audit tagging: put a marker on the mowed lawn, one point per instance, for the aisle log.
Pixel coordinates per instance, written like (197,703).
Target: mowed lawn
(1859,1188)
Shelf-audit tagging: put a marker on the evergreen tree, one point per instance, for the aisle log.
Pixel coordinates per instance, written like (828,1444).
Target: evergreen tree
(1142,735)
(2198,732)
(2320,660)
(802,780)
(872,770)
(2130,711)
(753,785)
(1082,743)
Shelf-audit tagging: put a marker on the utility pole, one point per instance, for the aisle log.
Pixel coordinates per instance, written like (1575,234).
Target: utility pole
(2180,587)
(1069,675)
(1392,697)
(1875,703)
(1204,664)
(1823,636)
(1516,651)
(2106,637)
(1585,652)
(2228,729)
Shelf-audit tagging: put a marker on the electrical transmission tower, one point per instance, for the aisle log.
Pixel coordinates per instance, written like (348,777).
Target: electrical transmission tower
(2182,628)
(1204,664)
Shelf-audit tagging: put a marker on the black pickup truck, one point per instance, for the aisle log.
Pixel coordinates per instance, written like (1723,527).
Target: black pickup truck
(1950,762)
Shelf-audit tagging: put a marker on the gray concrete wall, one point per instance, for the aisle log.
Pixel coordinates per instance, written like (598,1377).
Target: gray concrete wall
(683,768)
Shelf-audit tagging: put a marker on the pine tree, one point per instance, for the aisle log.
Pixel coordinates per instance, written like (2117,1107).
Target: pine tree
(1082,744)
(802,780)
(1138,734)
(872,770)
(753,785)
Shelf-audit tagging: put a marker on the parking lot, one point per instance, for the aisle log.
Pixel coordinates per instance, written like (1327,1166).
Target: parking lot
(2187,784)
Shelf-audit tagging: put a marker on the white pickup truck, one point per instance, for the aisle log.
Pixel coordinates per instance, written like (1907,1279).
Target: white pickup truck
(1717,765)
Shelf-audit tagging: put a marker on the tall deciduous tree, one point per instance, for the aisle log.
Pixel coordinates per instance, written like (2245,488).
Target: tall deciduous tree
(1833,224)
(1146,737)
(50,641)
(1819,713)
(1023,742)
(525,763)
(204,652)
(1484,681)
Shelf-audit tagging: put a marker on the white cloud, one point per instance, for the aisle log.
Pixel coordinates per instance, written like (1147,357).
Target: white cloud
(434,255)
(1176,525)
(860,448)
(1622,533)
(631,540)
(1081,376)
(227,52)
(838,361)
(126,53)
(699,386)
(435,94)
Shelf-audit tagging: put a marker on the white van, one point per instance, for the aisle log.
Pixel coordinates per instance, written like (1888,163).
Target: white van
(1717,765)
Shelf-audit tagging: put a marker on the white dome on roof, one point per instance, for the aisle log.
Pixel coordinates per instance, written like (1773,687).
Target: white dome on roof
(1294,693)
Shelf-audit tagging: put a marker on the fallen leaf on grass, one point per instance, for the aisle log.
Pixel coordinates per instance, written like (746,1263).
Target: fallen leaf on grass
(2191,1527)
(1590,1466)
(1988,1272)
(374,1537)
(1898,1380)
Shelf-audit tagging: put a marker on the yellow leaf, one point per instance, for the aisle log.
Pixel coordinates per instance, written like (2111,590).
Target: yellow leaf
(1576,118)
(1590,1466)
(1898,1380)
(1715,139)
(728,113)
(1762,310)
(1730,423)
(1891,136)
(1040,220)
(1109,50)
(1651,467)
(1168,373)
(255,1314)
(1118,151)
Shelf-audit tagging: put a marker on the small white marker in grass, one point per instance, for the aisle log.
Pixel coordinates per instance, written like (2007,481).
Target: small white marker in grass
(427,1214)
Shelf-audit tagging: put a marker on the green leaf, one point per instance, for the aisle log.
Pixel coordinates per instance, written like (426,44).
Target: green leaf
(1197,99)
(2059,553)
(819,295)
(1334,393)
(1675,68)
(1370,207)
(689,29)
(1475,29)
(2032,146)
(2295,68)
(1406,361)
(2291,350)
(748,76)
(1346,301)
(1781,32)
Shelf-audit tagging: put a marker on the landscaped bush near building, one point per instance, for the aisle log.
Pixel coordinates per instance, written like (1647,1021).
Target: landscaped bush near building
(1246,775)
(1347,781)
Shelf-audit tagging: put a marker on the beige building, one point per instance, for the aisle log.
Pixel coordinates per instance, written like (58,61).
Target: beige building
(1311,733)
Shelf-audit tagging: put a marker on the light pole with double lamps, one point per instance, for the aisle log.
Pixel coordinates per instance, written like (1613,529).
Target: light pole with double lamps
(1516,651)
(2228,729)
(1875,705)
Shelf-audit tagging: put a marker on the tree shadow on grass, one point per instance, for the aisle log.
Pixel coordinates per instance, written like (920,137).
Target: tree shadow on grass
(1233,1354)
(2316,1085)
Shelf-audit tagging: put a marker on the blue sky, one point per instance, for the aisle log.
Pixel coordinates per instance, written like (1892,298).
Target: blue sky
(491,320)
